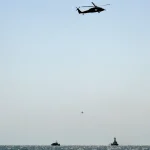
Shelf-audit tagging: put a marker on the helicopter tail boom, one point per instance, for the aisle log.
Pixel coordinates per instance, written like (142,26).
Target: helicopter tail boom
(79,11)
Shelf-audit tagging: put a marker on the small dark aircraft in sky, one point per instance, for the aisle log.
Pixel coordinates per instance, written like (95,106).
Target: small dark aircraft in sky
(91,10)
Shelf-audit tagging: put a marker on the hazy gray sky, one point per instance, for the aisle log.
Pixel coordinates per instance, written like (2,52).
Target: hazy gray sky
(55,63)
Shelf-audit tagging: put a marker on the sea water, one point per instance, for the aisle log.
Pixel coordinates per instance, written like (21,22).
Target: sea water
(75,147)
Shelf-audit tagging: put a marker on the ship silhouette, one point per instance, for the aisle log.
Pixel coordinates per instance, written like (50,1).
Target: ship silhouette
(114,143)
(55,144)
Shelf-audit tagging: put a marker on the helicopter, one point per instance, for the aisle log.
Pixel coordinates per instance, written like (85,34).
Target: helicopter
(91,10)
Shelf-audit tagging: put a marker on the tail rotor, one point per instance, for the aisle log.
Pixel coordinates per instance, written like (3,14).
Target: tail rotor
(79,11)
(77,8)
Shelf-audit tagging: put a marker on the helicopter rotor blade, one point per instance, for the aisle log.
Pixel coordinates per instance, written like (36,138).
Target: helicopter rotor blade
(105,5)
(93,4)
(86,6)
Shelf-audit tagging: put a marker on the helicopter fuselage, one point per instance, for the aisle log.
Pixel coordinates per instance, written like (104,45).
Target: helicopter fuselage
(92,10)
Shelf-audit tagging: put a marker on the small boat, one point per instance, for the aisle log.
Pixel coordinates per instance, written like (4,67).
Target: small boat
(114,143)
(55,144)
